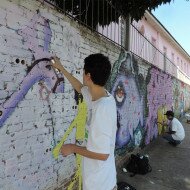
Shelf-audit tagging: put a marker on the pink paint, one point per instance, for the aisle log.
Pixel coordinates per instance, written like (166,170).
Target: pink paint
(160,93)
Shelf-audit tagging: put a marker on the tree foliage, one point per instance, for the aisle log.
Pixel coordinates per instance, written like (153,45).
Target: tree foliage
(103,12)
(137,8)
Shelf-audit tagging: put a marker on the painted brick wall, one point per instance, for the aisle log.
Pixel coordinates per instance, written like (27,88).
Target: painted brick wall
(143,94)
(30,30)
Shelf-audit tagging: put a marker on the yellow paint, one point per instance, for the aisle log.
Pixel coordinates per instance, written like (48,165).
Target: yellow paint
(161,118)
(79,122)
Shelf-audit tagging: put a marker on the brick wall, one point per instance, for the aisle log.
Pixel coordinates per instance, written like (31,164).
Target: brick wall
(36,119)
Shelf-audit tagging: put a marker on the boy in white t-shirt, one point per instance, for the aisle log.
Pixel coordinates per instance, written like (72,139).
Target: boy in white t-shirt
(175,133)
(99,172)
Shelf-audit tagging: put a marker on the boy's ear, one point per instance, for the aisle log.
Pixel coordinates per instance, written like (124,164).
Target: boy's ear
(88,76)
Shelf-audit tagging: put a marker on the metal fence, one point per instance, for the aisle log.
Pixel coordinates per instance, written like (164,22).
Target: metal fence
(98,15)
(102,17)
(143,48)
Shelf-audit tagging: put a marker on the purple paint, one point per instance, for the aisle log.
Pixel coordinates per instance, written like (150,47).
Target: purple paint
(128,100)
(48,35)
(159,92)
(39,71)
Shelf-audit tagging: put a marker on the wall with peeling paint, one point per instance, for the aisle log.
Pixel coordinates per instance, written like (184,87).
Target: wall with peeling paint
(143,94)
(39,110)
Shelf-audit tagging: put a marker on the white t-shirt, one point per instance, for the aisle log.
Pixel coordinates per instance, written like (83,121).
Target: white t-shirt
(101,126)
(178,128)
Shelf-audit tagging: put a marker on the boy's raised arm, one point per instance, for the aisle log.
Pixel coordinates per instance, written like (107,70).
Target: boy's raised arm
(77,85)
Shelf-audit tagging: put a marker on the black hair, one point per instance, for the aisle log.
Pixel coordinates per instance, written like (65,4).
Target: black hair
(99,68)
(169,113)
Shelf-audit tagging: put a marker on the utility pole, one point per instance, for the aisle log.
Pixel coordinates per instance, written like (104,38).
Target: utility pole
(127,32)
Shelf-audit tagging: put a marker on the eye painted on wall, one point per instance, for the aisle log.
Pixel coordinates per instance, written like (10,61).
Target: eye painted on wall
(119,94)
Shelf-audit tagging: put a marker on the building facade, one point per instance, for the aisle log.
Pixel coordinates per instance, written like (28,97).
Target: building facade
(151,41)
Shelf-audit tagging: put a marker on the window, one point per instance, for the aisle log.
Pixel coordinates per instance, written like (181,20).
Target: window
(181,65)
(178,62)
(165,50)
(154,58)
(187,69)
(165,58)
(172,58)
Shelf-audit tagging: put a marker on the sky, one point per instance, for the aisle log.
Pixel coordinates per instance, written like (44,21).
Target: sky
(175,17)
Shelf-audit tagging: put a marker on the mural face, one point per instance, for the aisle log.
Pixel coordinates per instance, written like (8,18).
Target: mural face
(129,102)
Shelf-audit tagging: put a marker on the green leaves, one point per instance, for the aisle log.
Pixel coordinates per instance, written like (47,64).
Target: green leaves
(92,12)
(137,8)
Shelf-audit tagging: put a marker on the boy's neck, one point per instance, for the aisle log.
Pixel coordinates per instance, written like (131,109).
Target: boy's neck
(97,92)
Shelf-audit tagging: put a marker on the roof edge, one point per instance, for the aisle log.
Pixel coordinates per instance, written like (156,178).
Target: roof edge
(163,27)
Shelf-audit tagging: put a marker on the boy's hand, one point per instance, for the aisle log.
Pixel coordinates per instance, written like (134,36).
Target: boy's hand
(163,123)
(56,63)
(67,149)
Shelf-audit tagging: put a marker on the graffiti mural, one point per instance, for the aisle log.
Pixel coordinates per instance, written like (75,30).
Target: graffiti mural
(142,100)
(161,118)
(124,84)
(40,70)
(159,93)
(178,96)
(78,123)
(186,98)
(49,81)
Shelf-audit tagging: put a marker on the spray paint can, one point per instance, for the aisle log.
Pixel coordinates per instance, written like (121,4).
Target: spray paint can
(53,62)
